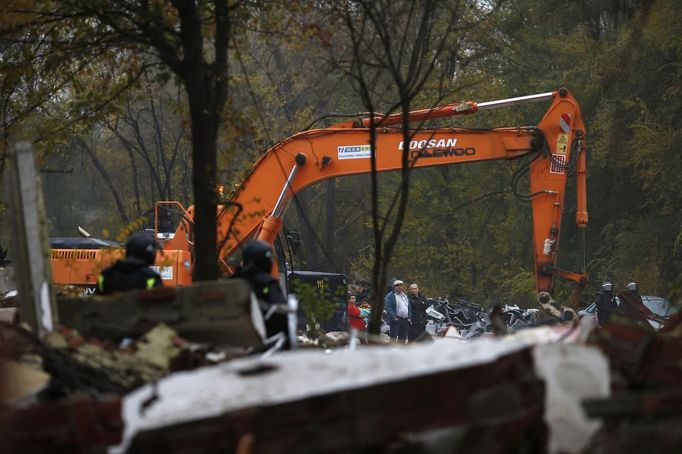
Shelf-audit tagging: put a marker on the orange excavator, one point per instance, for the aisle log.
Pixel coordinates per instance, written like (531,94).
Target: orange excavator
(553,147)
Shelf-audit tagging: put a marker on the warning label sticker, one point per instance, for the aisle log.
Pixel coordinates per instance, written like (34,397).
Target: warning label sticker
(565,122)
(558,164)
(562,144)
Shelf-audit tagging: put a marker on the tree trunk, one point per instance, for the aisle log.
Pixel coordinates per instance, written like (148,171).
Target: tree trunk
(137,204)
(206,86)
(204,132)
(101,169)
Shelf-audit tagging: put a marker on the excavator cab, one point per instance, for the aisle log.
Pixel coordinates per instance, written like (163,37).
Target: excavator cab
(321,288)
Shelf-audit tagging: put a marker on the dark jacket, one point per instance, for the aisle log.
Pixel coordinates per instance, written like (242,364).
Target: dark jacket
(268,291)
(127,274)
(418,305)
(265,286)
(606,305)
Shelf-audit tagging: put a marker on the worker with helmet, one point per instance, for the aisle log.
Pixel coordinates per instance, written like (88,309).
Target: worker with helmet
(133,272)
(633,288)
(605,302)
(257,261)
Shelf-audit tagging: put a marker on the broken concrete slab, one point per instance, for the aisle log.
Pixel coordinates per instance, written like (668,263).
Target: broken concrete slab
(220,312)
(310,401)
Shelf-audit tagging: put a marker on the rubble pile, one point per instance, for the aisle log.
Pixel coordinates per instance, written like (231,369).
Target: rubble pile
(50,383)
(107,347)
(78,364)
(102,381)
(646,396)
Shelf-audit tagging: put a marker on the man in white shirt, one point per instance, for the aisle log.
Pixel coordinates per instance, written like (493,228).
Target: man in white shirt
(398,311)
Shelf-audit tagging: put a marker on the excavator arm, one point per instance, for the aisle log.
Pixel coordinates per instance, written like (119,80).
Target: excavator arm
(556,144)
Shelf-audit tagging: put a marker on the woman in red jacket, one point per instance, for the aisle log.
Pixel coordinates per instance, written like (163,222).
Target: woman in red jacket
(355,319)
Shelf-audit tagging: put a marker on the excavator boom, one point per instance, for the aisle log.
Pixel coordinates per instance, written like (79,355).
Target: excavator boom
(558,141)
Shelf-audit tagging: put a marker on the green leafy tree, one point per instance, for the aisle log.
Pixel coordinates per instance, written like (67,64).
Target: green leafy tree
(621,60)
(316,305)
(191,40)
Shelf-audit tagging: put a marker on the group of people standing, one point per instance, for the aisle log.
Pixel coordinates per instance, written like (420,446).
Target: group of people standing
(606,302)
(405,312)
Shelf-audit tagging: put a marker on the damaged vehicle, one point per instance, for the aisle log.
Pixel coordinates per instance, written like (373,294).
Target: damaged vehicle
(659,306)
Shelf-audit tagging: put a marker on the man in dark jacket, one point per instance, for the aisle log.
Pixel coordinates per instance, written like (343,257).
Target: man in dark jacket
(133,272)
(606,303)
(633,288)
(256,266)
(418,305)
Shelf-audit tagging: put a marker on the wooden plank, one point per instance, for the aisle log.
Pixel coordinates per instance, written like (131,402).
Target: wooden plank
(30,239)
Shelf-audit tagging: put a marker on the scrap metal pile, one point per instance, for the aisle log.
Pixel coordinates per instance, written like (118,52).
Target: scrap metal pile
(472,320)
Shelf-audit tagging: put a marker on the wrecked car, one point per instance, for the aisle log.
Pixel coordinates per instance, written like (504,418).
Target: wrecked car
(656,304)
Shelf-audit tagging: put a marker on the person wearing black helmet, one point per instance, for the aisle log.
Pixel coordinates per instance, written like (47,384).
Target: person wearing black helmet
(633,288)
(257,260)
(605,303)
(133,272)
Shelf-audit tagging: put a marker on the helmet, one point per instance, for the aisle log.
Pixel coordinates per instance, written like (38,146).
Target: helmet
(632,286)
(141,246)
(607,286)
(258,254)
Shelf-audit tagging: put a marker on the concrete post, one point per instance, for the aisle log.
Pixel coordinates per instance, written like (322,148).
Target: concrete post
(30,248)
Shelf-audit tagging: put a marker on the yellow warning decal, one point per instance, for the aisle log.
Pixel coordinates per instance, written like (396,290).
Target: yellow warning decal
(562,144)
